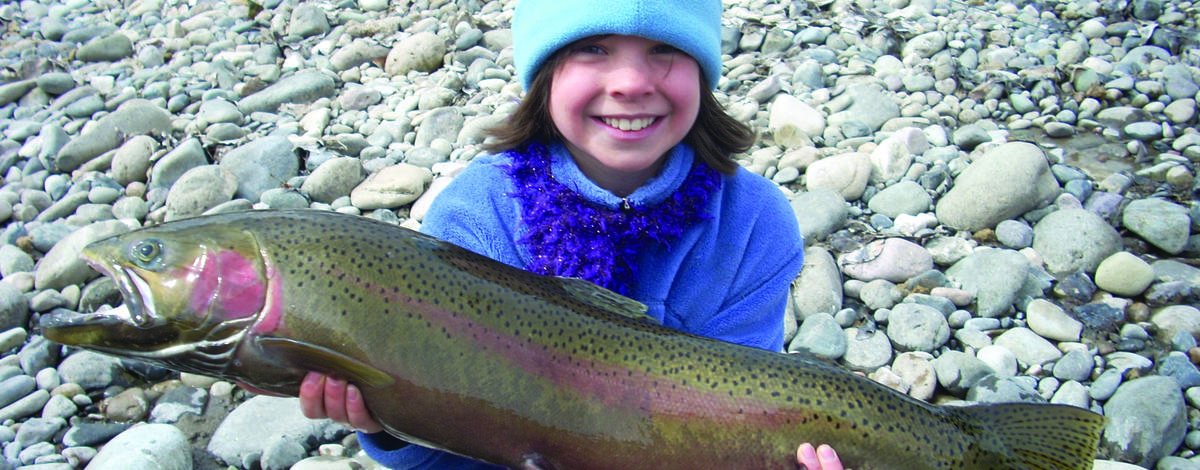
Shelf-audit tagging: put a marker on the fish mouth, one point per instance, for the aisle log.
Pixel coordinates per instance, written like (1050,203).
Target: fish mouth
(107,330)
(138,310)
(111,329)
(59,322)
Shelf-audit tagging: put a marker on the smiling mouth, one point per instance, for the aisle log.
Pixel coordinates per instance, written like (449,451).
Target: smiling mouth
(624,124)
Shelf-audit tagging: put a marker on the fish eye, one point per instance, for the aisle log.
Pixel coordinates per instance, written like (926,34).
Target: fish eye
(147,251)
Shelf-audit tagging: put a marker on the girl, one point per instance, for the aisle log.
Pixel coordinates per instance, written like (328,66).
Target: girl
(617,168)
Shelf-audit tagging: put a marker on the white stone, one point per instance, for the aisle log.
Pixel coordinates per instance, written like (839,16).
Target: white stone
(1002,183)
(1176,318)
(160,446)
(373,5)
(1114,465)
(1050,321)
(893,259)
(916,368)
(1030,349)
(1093,28)
(1181,111)
(1124,274)
(891,159)
(1000,359)
(391,187)
(847,174)
(925,45)
(421,52)
(793,122)
(818,289)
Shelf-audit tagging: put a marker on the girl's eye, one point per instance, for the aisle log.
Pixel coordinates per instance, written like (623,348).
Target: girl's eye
(665,49)
(589,49)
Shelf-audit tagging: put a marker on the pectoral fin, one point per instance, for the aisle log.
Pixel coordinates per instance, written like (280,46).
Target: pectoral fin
(322,359)
(605,299)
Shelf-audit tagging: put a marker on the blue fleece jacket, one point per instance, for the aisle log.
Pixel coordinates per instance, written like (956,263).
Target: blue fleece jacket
(726,278)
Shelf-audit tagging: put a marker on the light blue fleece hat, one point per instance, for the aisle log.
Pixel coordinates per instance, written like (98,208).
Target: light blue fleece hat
(541,27)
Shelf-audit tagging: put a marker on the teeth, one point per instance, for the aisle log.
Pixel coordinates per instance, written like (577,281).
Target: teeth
(629,124)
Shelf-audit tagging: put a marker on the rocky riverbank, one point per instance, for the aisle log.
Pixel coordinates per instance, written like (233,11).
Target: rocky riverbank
(999,198)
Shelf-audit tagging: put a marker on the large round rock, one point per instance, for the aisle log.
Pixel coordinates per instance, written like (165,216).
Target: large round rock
(1071,240)
(1003,183)
(146,447)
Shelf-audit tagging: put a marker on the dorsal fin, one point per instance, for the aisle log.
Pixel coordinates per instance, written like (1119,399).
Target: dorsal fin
(605,299)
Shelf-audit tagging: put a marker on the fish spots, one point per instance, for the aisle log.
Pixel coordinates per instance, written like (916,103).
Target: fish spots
(531,331)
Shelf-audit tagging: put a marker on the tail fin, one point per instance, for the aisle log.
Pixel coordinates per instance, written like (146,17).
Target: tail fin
(1034,436)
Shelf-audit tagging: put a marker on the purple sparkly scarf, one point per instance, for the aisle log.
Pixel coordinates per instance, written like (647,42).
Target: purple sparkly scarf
(570,236)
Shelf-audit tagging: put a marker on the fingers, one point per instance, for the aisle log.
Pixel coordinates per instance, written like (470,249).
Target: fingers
(335,400)
(324,397)
(829,459)
(312,396)
(807,456)
(822,458)
(356,412)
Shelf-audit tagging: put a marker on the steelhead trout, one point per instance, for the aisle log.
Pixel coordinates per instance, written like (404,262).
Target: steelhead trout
(459,352)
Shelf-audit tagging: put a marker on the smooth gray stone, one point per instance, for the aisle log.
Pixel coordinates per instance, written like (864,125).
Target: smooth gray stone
(15,388)
(303,87)
(1147,420)
(261,165)
(254,425)
(10,92)
(819,213)
(56,83)
(134,117)
(168,169)
(107,49)
(1003,183)
(14,308)
(1071,240)
(146,447)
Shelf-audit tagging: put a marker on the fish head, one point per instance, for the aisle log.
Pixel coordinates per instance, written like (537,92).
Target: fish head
(191,293)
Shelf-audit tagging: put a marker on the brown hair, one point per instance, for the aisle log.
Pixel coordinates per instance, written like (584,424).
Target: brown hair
(715,137)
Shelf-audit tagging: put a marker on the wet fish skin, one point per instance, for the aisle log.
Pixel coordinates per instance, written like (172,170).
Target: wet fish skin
(459,352)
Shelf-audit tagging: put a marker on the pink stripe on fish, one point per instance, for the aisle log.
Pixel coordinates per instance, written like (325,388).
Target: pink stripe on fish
(272,317)
(613,385)
(227,278)
(241,290)
(203,280)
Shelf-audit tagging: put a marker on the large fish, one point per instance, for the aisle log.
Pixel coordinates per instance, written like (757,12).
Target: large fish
(462,353)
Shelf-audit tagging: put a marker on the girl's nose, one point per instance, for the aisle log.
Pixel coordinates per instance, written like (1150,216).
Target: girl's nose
(632,77)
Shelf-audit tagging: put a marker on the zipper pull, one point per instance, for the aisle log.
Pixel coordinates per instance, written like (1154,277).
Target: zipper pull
(626,207)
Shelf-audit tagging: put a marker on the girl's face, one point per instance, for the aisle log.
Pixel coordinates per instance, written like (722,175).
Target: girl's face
(620,103)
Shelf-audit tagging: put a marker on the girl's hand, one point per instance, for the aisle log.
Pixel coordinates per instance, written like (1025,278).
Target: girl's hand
(328,397)
(821,458)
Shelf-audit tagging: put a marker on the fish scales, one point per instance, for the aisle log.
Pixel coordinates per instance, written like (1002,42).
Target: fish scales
(463,353)
(578,342)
